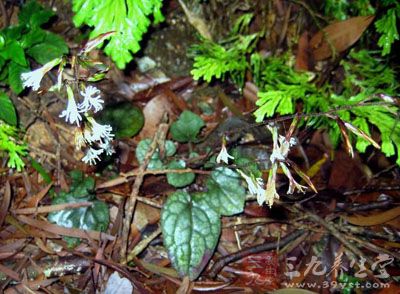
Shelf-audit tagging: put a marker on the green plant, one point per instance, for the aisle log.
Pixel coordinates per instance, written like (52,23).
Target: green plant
(94,217)
(27,39)
(11,145)
(191,223)
(18,43)
(365,77)
(128,19)
(213,60)
(387,25)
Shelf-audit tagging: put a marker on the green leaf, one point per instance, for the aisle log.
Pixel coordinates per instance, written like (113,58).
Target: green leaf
(95,217)
(7,110)
(215,60)
(129,19)
(187,127)
(225,193)
(126,120)
(273,101)
(40,169)
(155,161)
(13,32)
(179,180)
(34,15)
(387,26)
(191,230)
(53,46)
(13,51)
(14,76)
(33,37)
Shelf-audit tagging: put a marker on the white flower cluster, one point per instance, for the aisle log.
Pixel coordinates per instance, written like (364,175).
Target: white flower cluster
(93,133)
(281,147)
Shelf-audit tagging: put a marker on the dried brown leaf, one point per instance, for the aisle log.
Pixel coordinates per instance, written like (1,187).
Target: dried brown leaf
(339,35)
(375,219)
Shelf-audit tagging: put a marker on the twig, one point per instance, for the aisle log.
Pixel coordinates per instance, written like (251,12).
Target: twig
(142,245)
(130,205)
(51,208)
(125,176)
(332,229)
(373,247)
(365,207)
(149,202)
(221,262)
(308,115)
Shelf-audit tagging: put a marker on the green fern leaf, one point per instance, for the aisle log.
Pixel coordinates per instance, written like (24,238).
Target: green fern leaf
(388,28)
(128,18)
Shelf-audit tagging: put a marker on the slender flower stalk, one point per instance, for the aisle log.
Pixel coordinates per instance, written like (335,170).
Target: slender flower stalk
(71,114)
(33,78)
(91,99)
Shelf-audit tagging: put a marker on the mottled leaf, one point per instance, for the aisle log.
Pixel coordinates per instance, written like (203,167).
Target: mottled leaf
(191,229)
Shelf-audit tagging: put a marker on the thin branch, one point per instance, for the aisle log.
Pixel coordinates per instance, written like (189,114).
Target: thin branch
(51,208)
(131,202)
(142,245)
(308,115)
(223,261)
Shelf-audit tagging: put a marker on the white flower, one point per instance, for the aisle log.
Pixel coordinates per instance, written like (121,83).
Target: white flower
(99,131)
(91,98)
(270,193)
(92,155)
(281,146)
(107,147)
(223,155)
(33,78)
(71,114)
(255,186)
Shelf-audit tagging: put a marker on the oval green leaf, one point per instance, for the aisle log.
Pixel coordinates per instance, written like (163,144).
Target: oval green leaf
(126,119)
(191,229)
(225,192)
(187,127)
(7,110)
(176,179)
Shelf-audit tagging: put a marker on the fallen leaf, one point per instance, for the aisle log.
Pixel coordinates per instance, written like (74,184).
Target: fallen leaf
(376,219)
(153,113)
(303,54)
(339,35)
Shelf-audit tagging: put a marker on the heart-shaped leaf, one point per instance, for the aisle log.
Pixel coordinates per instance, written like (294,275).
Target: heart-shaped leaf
(95,217)
(191,229)
(187,127)
(225,193)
